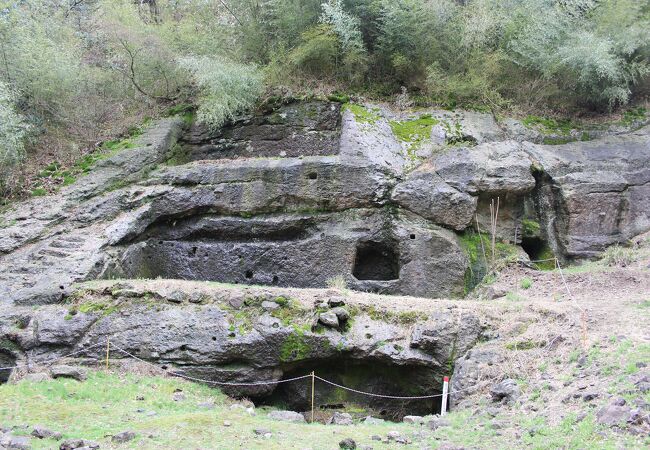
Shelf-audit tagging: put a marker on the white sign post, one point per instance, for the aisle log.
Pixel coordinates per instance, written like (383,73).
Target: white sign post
(445,392)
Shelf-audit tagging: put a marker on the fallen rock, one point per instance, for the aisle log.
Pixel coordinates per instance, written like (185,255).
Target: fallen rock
(261,431)
(348,443)
(329,319)
(37,377)
(178,396)
(418,420)
(449,446)
(589,396)
(11,442)
(76,373)
(340,419)
(373,420)
(269,306)
(124,436)
(45,433)
(176,297)
(506,391)
(336,301)
(287,416)
(492,293)
(72,444)
(392,435)
(613,414)
(206,405)
(341,313)
(438,422)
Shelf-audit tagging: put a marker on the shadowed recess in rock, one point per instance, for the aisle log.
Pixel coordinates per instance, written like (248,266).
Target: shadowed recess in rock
(6,360)
(373,377)
(376,261)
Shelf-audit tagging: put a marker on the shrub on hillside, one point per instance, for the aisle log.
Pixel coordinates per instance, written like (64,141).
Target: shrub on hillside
(226,88)
(12,135)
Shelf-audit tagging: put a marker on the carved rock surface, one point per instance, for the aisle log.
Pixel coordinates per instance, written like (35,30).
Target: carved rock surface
(306,192)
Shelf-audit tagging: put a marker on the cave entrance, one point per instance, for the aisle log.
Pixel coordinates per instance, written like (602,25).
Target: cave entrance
(373,377)
(376,261)
(538,249)
(535,247)
(6,360)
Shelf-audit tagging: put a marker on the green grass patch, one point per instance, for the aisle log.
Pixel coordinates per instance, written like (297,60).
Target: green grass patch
(525,345)
(110,402)
(526,283)
(634,115)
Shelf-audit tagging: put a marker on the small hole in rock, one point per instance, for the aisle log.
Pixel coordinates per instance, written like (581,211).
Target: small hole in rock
(275,279)
(249,274)
(412,236)
(214,338)
(312,176)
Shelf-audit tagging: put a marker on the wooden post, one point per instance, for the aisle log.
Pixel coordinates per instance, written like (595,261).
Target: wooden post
(108,350)
(445,392)
(313,379)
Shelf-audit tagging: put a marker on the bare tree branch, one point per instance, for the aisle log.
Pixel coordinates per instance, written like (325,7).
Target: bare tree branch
(132,76)
(230,11)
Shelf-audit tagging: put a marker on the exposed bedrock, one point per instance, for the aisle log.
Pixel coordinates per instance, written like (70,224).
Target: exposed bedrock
(372,249)
(306,192)
(245,334)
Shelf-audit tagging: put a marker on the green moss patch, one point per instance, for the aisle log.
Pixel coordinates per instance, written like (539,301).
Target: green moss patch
(415,130)
(530,228)
(400,317)
(549,125)
(363,114)
(478,248)
(295,347)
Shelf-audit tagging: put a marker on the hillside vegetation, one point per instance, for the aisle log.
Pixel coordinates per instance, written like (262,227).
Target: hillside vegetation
(74,74)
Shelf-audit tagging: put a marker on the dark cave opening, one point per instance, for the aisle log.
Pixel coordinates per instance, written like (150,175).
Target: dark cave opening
(372,377)
(536,248)
(6,360)
(376,261)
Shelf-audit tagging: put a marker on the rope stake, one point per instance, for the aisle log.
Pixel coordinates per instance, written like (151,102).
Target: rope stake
(313,381)
(445,393)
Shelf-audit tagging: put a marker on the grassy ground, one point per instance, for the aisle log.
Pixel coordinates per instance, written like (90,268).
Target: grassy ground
(109,403)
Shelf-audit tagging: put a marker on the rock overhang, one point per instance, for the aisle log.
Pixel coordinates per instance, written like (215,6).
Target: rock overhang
(243,334)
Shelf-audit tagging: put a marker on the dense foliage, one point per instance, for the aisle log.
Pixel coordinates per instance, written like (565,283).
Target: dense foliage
(74,73)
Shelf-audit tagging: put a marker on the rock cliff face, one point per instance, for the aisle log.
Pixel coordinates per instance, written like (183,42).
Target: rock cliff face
(305,193)
(297,197)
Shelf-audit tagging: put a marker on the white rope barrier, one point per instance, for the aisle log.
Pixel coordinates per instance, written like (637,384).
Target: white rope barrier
(370,394)
(223,383)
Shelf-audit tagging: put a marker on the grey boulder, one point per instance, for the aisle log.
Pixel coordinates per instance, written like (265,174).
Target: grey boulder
(287,416)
